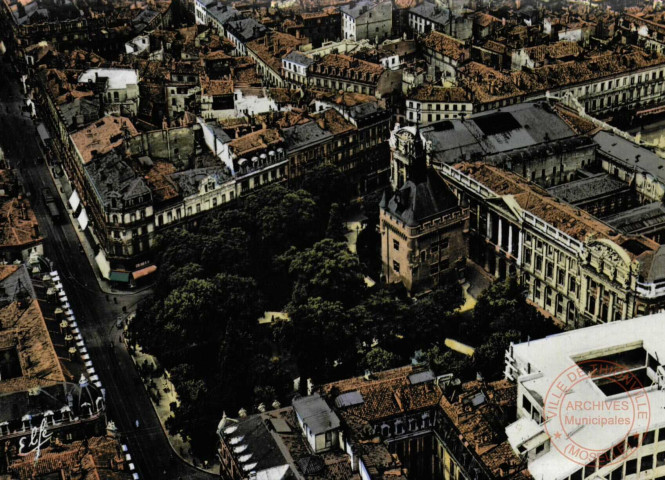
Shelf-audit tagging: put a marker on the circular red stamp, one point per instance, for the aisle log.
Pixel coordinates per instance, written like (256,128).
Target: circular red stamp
(597,400)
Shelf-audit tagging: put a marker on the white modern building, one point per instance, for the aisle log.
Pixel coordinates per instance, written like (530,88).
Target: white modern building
(591,402)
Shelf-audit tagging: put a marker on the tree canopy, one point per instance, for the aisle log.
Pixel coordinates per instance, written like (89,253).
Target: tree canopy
(284,249)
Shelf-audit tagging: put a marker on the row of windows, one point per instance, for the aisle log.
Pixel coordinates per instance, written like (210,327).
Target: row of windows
(632,465)
(428,106)
(115,218)
(336,84)
(434,269)
(549,270)
(432,118)
(549,251)
(434,248)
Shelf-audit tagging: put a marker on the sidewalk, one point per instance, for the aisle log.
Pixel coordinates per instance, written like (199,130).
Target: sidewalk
(354,224)
(64,189)
(477,280)
(164,391)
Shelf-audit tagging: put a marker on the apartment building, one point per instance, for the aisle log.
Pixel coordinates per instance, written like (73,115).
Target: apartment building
(96,29)
(403,423)
(349,74)
(444,54)
(215,14)
(152,187)
(627,78)
(351,138)
(321,26)
(304,440)
(428,104)
(242,31)
(367,20)
(295,67)
(646,30)
(182,88)
(20,237)
(631,79)
(428,17)
(269,54)
(217,99)
(431,16)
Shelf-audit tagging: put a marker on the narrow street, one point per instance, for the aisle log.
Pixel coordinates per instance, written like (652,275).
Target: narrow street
(95,311)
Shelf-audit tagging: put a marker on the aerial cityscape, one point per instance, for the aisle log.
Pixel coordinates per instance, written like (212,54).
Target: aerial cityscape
(332,239)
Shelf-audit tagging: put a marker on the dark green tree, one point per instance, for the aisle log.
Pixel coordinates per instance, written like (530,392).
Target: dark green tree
(489,357)
(433,318)
(284,218)
(328,185)
(502,307)
(323,339)
(381,317)
(443,360)
(379,359)
(179,277)
(226,251)
(336,228)
(327,270)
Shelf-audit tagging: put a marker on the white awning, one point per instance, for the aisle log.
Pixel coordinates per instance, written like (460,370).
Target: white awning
(103,264)
(74,200)
(83,219)
(43,132)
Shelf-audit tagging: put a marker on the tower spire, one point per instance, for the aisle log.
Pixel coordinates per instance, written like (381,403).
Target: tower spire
(418,170)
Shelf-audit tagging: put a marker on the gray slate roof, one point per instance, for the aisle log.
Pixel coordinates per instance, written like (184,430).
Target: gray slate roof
(515,127)
(86,109)
(432,12)
(626,153)
(246,29)
(299,58)
(316,414)
(657,271)
(589,188)
(255,436)
(414,202)
(223,13)
(16,285)
(188,181)
(356,9)
(640,219)
(112,177)
(302,136)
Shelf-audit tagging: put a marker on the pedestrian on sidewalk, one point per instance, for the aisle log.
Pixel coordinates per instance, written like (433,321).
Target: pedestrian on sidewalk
(137,423)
